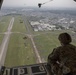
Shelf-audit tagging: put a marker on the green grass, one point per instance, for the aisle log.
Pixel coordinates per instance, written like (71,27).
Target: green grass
(4,23)
(26,21)
(47,42)
(19,27)
(1,38)
(19,51)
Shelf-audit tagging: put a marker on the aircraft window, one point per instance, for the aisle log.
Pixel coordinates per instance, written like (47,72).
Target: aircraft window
(29,33)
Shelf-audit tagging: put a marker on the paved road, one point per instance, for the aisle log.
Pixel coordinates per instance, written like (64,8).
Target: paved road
(4,45)
(33,43)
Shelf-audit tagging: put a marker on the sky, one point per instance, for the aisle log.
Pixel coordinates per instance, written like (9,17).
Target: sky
(54,3)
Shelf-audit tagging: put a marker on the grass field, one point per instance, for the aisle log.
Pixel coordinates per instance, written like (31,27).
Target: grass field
(20,51)
(19,25)
(1,38)
(4,22)
(48,41)
(45,44)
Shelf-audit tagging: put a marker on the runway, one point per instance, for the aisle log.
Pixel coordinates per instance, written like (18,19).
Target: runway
(4,45)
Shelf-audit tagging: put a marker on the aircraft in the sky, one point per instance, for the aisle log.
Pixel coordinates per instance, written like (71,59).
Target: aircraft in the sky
(40,4)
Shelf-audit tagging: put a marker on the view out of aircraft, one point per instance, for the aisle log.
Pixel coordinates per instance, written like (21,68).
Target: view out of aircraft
(37,69)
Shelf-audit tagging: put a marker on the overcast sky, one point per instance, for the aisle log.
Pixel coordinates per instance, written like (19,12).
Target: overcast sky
(54,3)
